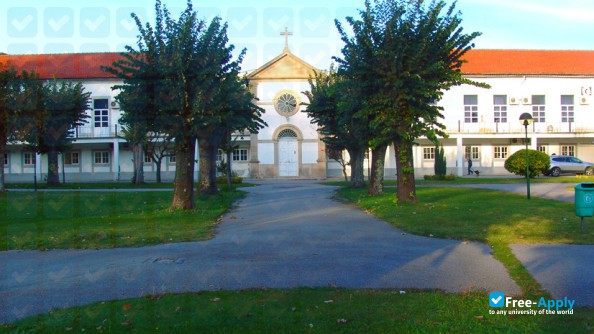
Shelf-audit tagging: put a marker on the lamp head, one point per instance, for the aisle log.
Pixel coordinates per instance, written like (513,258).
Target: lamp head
(526,119)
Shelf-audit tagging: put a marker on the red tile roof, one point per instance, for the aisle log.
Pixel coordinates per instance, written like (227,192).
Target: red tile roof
(529,62)
(480,62)
(63,66)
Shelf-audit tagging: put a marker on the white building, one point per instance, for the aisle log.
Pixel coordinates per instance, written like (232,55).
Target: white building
(556,87)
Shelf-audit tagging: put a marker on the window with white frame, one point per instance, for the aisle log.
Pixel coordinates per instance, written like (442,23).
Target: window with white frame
(429,153)
(240,155)
(472,153)
(567,107)
(5,159)
(101,113)
(470,109)
(71,158)
(148,158)
(541,148)
(101,157)
(28,158)
(220,155)
(568,150)
(171,157)
(500,108)
(538,108)
(500,152)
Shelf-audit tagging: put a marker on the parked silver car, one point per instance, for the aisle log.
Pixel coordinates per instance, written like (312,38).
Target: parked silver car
(568,164)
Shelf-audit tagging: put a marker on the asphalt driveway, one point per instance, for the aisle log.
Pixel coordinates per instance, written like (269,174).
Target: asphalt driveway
(282,235)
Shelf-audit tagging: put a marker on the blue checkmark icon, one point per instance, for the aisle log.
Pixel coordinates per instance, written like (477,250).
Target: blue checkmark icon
(496,299)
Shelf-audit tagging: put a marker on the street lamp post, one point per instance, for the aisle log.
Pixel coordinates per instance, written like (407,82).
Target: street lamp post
(526,119)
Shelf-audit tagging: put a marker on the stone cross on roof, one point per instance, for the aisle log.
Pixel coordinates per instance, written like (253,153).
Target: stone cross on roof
(286,33)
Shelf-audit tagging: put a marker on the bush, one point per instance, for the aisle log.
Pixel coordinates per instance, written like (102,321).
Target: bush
(539,163)
(440,162)
(234,180)
(450,177)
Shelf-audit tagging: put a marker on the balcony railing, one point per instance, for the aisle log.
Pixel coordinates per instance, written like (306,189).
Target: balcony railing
(516,127)
(113,131)
(86,131)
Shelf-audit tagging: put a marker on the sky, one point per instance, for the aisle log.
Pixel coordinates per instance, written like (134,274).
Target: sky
(40,26)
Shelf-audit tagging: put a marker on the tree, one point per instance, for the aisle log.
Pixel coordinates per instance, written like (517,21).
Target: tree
(335,112)
(540,163)
(440,166)
(228,145)
(182,80)
(337,154)
(50,113)
(233,109)
(417,49)
(157,91)
(7,78)
(136,134)
(158,147)
(357,64)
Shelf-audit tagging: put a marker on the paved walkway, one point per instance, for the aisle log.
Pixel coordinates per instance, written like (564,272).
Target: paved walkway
(282,235)
(563,270)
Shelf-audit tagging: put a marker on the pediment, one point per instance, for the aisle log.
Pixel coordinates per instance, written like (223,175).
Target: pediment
(286,66)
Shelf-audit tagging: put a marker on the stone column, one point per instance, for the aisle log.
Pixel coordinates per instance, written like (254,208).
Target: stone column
(322,168)
(254,163)
(460,156)
(38,167)
(115,169)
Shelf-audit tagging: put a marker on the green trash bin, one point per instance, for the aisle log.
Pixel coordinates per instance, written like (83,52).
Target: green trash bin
(584,201)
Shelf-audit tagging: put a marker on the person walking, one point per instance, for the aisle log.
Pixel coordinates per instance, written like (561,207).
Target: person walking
(469,166)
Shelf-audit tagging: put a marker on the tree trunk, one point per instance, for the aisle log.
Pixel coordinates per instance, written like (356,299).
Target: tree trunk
(53,173)
(357,176)
(138,164)
(378,159)
(158,173)
(229,176)
(207,181)
(405,171)
(344,172)
(183,186)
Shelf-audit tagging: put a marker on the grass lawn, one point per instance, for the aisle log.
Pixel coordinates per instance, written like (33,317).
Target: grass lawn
(100,185)
(495,217)
(477,214)
(300,311)
(89,220)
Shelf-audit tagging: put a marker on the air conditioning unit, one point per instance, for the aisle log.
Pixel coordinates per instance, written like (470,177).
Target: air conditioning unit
(584,100)
(115,105)
(525,100)
(514,100)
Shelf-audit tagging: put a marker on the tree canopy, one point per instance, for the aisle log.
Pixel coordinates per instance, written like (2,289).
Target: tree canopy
(404,55)
(182,81)
(333,105)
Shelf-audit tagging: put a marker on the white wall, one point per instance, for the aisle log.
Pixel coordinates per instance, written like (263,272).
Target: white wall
(267,92)
(552,88)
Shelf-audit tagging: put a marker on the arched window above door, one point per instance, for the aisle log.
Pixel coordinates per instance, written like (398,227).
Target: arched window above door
(287,133)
